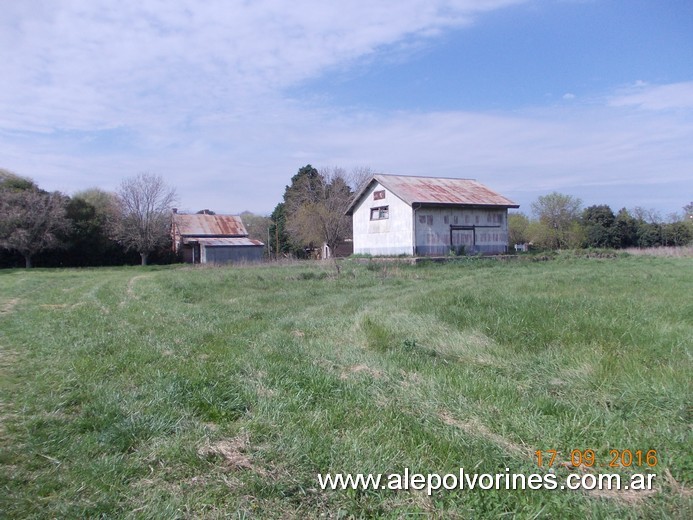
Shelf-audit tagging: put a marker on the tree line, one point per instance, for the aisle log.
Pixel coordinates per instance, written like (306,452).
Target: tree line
(92,228)
(560,222)
(99,228)
(133,225)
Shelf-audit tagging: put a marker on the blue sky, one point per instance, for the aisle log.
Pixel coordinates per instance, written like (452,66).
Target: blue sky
(227,99)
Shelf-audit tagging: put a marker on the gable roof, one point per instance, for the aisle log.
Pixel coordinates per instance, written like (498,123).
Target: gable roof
(436,191)
(200,225)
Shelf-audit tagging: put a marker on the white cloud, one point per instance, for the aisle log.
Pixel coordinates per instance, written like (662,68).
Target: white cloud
(101,90)
(612,153)
(87,64)
(656,97)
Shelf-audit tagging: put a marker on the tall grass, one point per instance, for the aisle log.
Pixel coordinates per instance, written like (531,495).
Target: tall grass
(679,251)
(208,393)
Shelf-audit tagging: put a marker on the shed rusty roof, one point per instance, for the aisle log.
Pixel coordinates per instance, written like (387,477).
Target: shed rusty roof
(210,225)
(437,190)
(218,242)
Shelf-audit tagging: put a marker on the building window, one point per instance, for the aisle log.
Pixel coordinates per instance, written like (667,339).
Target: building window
(446,219)
(378,195)
(380,213)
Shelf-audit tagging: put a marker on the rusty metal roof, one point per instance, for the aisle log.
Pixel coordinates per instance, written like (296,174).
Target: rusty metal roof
(210,225)
(215,242)
(437,190)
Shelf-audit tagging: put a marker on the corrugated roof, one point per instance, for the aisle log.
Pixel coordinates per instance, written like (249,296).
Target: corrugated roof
(437,190)
(210,225)
(430,190)
(211,242)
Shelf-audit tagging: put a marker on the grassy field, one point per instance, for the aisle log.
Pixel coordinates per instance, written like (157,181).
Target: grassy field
(222,392)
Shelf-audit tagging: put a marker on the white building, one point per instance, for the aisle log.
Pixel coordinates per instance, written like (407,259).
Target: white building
(426,216)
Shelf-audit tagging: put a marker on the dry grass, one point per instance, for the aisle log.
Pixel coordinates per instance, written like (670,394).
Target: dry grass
(678,252)
(8,306)
(234,452)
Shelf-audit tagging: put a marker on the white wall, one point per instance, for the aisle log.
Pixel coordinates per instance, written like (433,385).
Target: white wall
(390,236)
(431,226)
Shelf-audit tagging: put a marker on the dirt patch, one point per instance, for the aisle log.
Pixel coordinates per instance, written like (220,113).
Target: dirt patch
(676,486)
(130,289)
(54,306)
(358,369)
(263,391)
(8,306)
(475,428)
(8,358)
(626,496)
(234,452)
(258,383)
(411,379)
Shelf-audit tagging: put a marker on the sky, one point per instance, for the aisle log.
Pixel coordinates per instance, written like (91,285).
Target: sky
(226,100)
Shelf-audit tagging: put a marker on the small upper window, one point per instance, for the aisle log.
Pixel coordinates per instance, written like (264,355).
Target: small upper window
(380,213)
(380,194)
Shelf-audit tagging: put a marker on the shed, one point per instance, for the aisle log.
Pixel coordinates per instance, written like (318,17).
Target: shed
(206,238)
(428,216)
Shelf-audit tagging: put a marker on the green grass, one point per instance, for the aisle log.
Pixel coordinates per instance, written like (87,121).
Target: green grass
(209,393)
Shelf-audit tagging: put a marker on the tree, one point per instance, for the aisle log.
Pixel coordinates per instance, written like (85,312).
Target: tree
(144,219)
(557,213)
(625,229)
(649,227)
(518,226)
(688,212)
(89,243)
(677,233)
(257,226)
(316,214)
(280,241)
(598,222)
(10,181)
(31,220)
(316,203)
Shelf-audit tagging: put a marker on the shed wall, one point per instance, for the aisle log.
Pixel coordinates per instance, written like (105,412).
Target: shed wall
(468,230)
(231,254)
